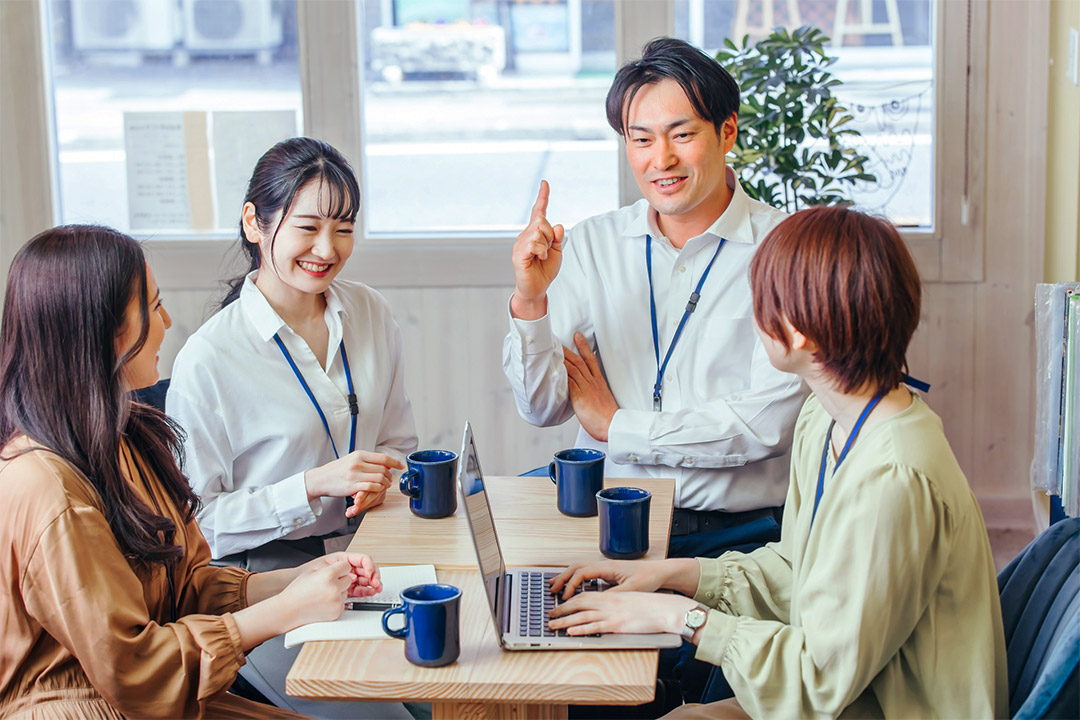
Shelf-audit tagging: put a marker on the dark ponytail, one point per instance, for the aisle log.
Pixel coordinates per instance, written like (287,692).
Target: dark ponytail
(61,381)
(280,173)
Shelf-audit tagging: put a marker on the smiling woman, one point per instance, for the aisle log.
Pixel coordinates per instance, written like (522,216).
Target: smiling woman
(293,395)
(139,354)
(111,607)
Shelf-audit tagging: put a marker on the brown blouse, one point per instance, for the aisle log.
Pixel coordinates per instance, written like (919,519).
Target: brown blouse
(83,635)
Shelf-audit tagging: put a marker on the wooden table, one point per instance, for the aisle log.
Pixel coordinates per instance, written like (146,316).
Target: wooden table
(486,682)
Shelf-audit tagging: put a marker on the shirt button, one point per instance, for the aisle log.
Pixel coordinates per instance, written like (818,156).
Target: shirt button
(709,594)
(528,340)
(682,268)
(688,461)
(668,377)
(633,458)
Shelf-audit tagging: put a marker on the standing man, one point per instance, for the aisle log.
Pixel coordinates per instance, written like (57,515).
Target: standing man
(640,320)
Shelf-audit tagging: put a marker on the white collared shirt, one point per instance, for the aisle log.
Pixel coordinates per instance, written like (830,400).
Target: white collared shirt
(728,416)
(252,431)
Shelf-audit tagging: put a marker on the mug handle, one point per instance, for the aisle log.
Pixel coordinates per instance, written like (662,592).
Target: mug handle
(407,486)
(386,625)
(551,473)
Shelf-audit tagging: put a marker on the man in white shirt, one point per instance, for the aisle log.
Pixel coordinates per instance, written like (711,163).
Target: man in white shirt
(639,322)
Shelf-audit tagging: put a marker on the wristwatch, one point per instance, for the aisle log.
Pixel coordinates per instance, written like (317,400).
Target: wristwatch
(695,618)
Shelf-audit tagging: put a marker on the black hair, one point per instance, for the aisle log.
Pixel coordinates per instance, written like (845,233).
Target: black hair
(280,173)
(712,91)
(68,292)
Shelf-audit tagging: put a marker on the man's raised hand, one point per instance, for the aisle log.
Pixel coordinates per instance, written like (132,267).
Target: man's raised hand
(537,257)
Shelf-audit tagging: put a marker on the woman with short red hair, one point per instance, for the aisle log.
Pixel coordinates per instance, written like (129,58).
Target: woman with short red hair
(880,600)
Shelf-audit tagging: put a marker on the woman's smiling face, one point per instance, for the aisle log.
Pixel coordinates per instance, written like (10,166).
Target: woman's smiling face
(310,248)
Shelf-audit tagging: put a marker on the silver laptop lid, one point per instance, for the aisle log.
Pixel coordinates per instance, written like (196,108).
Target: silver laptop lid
(482,526)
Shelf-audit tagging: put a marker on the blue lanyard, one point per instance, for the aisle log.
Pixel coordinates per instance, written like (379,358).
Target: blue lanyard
(354,407)
(916,383)
(657,401)
(843,453)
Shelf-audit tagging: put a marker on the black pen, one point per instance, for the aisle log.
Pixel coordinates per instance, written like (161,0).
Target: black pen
(365,605)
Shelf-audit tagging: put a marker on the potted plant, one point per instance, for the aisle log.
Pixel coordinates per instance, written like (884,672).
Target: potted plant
(792,149)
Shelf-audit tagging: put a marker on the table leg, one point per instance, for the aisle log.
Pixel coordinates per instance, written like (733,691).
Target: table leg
(496,711)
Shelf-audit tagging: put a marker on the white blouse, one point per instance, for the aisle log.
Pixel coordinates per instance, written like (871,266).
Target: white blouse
(252,431)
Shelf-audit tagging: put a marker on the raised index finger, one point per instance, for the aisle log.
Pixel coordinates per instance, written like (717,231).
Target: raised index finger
(539,209)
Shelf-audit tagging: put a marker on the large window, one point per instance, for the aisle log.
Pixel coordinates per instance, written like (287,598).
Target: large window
(468,104)
(454,110)
(162,107)
(886,64)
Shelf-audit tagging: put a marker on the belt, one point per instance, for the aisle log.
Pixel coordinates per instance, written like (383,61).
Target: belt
(689,522)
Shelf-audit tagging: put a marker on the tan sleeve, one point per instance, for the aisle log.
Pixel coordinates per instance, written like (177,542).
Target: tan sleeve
(81,589)
(208,589)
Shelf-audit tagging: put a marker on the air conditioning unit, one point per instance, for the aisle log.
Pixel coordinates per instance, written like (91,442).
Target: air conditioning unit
(124,24)
(232,26)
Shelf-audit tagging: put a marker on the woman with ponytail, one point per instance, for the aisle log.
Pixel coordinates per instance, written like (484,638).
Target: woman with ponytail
(110,606)
(292,396)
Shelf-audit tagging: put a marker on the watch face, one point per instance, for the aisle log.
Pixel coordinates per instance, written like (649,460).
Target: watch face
(696,618)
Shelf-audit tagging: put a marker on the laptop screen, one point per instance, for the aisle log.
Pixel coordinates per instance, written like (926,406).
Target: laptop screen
(481,523)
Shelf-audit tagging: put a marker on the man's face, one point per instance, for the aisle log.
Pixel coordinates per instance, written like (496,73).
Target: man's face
(676,157)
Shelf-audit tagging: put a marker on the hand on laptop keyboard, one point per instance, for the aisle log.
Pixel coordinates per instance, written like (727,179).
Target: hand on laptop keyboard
(537,601)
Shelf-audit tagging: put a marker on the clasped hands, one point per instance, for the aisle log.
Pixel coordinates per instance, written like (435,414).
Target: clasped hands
(320,588)
(364,476)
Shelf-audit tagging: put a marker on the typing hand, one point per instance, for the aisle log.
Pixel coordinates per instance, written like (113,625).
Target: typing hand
(537,257)
(590,396)
(623,575)
(623,612)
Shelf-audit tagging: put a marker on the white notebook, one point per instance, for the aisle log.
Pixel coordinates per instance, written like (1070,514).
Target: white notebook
(365,624)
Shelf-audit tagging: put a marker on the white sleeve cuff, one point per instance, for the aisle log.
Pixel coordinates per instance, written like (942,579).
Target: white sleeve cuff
(291,503)
(531,337)
(628,437)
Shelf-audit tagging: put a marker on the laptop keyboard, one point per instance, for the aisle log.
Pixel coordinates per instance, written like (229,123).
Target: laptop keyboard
(537,601)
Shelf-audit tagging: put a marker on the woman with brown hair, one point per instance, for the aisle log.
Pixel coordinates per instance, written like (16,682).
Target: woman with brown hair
(110,607)
(880,599)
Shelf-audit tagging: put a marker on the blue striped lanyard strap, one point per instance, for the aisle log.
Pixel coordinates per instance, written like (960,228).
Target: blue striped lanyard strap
(661,368)
(843,453)
(354,407)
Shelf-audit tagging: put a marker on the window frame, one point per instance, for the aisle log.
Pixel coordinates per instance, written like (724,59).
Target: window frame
(332,97)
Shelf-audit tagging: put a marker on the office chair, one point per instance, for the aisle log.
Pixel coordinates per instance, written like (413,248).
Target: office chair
(1040,606)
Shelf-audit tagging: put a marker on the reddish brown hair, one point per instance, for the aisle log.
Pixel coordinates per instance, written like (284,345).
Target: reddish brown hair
(846,281)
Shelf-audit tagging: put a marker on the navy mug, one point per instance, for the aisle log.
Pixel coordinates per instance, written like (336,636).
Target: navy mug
(578,474)
(624,522)
(431,615)
(431,483)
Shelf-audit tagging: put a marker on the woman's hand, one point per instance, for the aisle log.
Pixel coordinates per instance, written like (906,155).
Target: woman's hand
(627,575)
(365,501)
(366,579)
(363,475)
(319,594)
(621,612)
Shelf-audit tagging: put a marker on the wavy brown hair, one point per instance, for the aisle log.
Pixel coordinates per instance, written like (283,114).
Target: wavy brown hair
(61,379)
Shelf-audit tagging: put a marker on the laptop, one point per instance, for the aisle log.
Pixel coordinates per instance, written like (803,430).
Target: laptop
(519,599)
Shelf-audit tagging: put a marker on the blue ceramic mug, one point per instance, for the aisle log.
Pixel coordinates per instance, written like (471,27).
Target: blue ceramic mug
(431,483)
(431,615)
(624,522)
(579,475)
